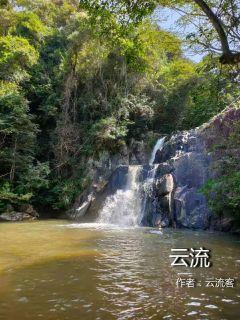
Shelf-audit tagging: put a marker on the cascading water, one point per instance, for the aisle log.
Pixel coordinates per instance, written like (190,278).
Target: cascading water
(148,185)
(158,146)
(126,207)
(123,207)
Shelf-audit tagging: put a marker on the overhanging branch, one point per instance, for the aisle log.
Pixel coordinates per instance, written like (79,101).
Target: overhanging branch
(228,57)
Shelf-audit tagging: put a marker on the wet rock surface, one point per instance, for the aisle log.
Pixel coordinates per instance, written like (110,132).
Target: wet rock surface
(109,175)
(26,212)
(165,185)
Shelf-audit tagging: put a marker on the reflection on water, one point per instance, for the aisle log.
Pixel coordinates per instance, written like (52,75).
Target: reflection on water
(55,271)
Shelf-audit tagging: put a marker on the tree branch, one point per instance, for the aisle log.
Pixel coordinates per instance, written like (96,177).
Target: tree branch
(228,57)
(216,22)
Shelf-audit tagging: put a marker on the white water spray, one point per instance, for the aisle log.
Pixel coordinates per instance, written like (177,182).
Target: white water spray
(126,207)
(123,207)
(158,146)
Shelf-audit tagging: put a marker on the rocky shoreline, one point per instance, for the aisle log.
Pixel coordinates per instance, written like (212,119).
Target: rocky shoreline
(26,213)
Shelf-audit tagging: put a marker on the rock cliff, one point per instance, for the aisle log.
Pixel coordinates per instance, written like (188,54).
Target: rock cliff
(109,174)
(172,196)
(186,162)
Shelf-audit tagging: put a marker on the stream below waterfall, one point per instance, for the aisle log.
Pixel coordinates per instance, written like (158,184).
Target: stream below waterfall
(54,270)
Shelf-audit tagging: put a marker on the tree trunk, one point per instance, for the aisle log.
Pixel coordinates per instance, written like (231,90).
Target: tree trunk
(231,58)
(228,57)
(13,167)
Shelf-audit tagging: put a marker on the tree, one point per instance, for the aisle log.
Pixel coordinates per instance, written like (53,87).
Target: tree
(219,22)
(228,11)
(79,84)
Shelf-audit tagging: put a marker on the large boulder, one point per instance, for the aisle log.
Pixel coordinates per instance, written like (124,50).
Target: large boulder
(164,168)
(191,210)
(165,185)
(191,169)
(16,216)
(29,209)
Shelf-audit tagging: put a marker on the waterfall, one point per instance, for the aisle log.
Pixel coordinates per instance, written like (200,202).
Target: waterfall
(148,185)
(158,146)
(123,207)
(127,207)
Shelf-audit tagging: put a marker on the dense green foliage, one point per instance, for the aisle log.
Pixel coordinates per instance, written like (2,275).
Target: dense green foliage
(214,25)
(76,82)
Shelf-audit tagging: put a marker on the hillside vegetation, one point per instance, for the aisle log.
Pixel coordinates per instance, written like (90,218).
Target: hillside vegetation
(76,84)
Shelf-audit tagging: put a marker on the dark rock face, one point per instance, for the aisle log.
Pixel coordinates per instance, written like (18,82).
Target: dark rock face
(179,143)
(165,185)
(109,174)
(184,166)
(91,200)
(118,180)
(190,209)
(137,154)
(189,157)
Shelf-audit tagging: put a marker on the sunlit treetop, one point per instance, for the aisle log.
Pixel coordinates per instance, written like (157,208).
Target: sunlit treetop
(216,24)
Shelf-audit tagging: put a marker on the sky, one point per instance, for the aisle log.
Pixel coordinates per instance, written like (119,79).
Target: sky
(167,19)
